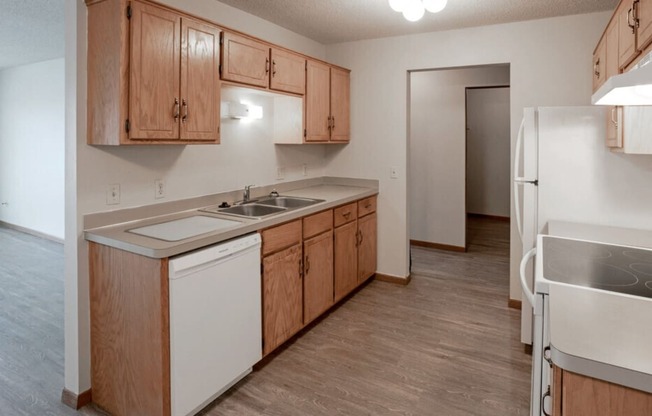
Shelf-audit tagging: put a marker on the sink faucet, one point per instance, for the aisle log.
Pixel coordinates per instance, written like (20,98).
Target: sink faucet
(247,195)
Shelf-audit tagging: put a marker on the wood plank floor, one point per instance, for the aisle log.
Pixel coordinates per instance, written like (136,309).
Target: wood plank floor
(446,344)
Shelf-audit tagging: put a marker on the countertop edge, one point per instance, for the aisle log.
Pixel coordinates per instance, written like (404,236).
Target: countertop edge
(99,235)
(603,371)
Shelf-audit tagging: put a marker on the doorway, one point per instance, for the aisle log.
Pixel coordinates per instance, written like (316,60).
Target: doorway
(437,151)
(487,155)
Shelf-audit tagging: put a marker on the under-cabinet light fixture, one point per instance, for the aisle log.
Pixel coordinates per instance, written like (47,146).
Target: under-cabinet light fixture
(243,111)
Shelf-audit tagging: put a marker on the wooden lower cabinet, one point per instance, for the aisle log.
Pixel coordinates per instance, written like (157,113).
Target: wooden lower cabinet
(367,246)
(130,347)
(578,395)
(346,259)
(282,297)
(318,276)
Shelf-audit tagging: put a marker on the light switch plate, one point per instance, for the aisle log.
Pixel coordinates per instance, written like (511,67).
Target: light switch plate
(113,194)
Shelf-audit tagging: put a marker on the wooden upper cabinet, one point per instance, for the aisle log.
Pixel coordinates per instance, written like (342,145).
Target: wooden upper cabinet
(626,16)
(614,114)
(154,101)
(644,16)
(599,64)
(288,72)
(153,75)
(317,102)
(340,105)
(200,83)
(327,103)
(245,60)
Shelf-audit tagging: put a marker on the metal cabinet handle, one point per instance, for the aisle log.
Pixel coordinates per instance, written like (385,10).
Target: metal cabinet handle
(184,105)
(631,24)
(176,109)
(361,237)
(266,65)
(273,67)
(596,68)
(328,122)
(368,205)
(346,214)
(546,395)
(307,264)
(333,122)
(300,269)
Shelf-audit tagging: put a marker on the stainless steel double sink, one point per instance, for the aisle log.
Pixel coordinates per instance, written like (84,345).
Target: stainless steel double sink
(264,207)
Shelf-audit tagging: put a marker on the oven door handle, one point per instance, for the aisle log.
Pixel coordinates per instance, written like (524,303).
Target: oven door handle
(529,294)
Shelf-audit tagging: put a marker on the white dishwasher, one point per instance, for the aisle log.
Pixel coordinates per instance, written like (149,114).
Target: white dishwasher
(215,321)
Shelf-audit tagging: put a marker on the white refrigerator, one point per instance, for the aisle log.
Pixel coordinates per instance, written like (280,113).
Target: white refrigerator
(564,171)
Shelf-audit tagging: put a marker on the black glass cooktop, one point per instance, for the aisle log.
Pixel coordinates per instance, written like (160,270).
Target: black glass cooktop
(601,266)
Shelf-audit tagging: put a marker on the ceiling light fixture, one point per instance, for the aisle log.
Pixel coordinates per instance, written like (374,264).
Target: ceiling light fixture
(413,10)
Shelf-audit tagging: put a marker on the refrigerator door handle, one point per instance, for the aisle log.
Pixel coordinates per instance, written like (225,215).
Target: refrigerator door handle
(518,180)
(526,290)
(517,153)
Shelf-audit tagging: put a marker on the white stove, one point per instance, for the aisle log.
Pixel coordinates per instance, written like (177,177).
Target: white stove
(592,303)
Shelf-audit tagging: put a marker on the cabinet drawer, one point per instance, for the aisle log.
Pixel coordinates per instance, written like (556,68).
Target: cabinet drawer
(366,206)
(317,224)
(278,238)
(344,214)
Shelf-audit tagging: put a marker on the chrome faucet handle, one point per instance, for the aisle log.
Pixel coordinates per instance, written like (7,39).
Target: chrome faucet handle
(273,194)
(247,192)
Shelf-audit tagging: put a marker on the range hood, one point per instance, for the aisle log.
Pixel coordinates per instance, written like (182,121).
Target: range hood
(631,88)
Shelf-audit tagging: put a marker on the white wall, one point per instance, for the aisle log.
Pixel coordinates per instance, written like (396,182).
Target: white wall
(437,149)
(487,151)
(246,156)
(550,64)
(32,147)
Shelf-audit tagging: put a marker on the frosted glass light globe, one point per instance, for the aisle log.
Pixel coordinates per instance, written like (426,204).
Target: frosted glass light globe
(434,6)
(413,10)
(397,5)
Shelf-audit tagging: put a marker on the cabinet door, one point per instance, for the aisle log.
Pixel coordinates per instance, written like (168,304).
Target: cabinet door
(599,64)
(367,246)
(200,82)
(340,105)
(644,15)
(245,60)
(581,395)
(345,259)
(154,102)
(288,72)
(626,33)
(318,276)
(317,102)
(282,295)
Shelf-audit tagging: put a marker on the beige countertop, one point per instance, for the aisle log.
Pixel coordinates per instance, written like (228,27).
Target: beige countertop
(333,191)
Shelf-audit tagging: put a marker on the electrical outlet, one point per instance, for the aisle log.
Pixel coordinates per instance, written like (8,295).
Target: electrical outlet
(113,194)
(304,169)
(393,172)
(280,172)
(159,189)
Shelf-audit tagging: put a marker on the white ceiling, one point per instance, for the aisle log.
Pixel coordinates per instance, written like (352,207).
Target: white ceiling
(31,31)
(334,21)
